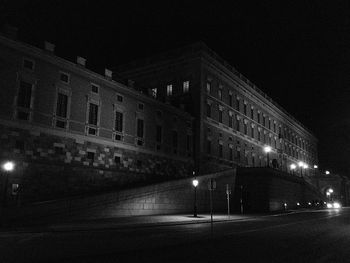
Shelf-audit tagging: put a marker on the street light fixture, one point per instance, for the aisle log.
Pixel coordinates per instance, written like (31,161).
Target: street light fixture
(315,166)
(301,165)
(293,167)
(195,184)
(7,167)
(327,172)
(267,149)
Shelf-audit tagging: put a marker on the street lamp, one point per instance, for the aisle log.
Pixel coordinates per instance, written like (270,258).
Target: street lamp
(293,167)
(315,166)
(267,149)
(327,172)
(195,184)
(7,167)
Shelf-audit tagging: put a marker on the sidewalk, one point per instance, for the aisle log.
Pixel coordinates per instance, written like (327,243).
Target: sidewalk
(131,222)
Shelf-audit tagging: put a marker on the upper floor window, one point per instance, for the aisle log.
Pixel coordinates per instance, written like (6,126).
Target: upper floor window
(258,116)
(120,98)
(158,134)
(208,110)
(140,106)
(220,115)
(245,108)
(169,90)
(220,93)
(95,88)
(24,100)
(28,64)
(237,104)
(175,141)
(64,77)
(185,86)
(61,110)
(252,113)
(92,118)
(118,125)
(154,92)
(208,87)
(140,128)
(230,99)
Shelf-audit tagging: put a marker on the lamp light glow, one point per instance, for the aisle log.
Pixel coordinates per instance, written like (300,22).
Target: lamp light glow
(293,166)
(306,166)
(8,166)
(267,149)
(327,172)
(300,164)
(195,182)
(315,166)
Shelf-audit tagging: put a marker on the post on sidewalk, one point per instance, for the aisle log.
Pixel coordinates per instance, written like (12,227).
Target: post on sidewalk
(211,187)
(228,192)
(241,199)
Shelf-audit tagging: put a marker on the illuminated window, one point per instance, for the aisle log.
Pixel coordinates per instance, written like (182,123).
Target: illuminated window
(186,86)
(169,90)
(154,92)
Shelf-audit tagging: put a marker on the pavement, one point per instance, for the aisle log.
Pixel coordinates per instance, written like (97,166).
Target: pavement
(132,222)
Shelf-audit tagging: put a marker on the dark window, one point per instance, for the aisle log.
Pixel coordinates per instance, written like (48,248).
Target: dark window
(258,117)
(118,121)
(62,105)
(140,106)
(188,142)
(139,163)
(208,146)
(159,113)
(230,99)
(252,113)
(64,77)
(19,145)
(159,133)
(140,127)
(119,98)
(238,154)
(94,88)
(220,151)
(245,109)
(231,153)
(21,115)
(175,139)
(28,64)
(208,110)
(24,94)
(93,114)
(230,121)
(252,130)
(245,129)
(220,116)
(238,125)
(220,94)
(60,124)
(117,159)
(90,155)
(237,104)
(259,135)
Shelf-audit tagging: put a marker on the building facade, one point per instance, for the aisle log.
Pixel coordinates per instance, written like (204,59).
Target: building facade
(234,120)
(70,130)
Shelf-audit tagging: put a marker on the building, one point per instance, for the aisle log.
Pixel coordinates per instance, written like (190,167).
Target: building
(234,120)
(70,130)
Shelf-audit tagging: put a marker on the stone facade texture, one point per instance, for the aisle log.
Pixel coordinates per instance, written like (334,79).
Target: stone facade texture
(62,126)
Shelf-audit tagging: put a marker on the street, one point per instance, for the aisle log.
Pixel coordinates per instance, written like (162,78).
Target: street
(303,236)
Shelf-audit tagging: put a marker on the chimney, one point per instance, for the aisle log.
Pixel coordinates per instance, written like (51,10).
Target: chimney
(10,31)
(81,61)
(49,47)
(108,73)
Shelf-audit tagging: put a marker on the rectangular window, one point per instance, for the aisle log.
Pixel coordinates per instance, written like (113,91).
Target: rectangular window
(238,125)
(208,146)
(230,99)
(94,88)
(159,134)
(154,92)
(117,159)
(220,116)
(237,104)
(252,113)
(188,143)
(90,155)
(231,153)
(64,77)
(220,94)
(245,129)
(259,135)
(220,151)
(62,105)
(230,121)
(24,94)
(93,114)
(269,124)
(252,132)
(245,109)
(186,86)
(119,98)
(169,90)
(28,64)
(208,110)
(208,87)
(118,126)
(264,121)
(238,154)
(175,141)
(140,106)
(140,128)
(258,117)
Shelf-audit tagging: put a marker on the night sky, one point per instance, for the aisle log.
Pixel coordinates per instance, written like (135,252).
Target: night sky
(298,53)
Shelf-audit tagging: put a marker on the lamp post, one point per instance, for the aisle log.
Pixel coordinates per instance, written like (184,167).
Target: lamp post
(293,167)
(195,184)
(327,172)
(7,167)
(267,149)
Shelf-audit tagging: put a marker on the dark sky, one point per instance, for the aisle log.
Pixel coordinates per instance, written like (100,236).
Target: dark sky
(297,52)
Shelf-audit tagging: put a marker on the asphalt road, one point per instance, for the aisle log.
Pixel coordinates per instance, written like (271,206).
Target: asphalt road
(309,236)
